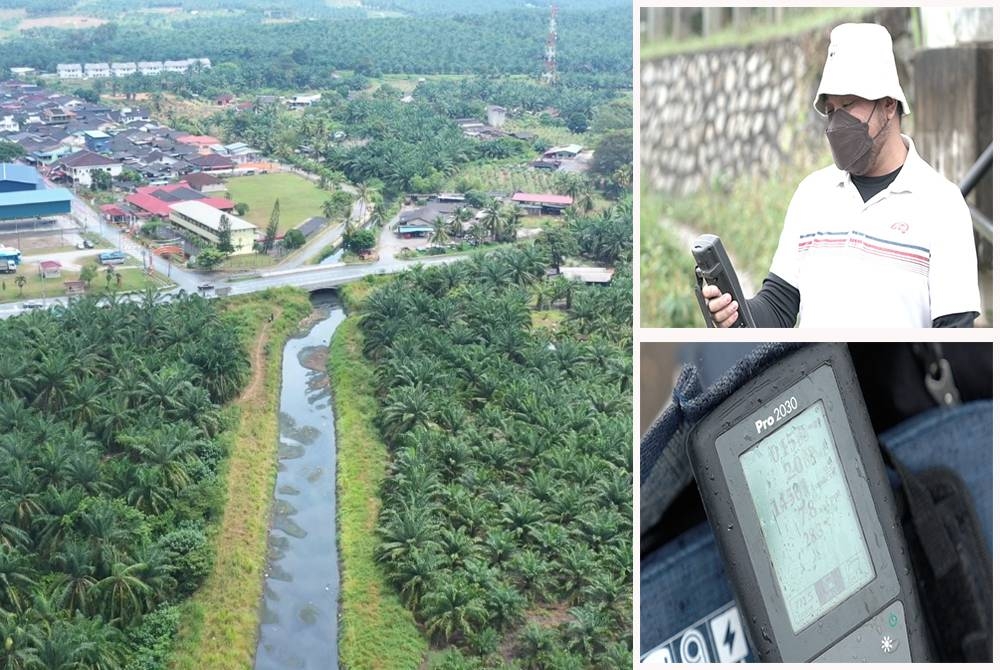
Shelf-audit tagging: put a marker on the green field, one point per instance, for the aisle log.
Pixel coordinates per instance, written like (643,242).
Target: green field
(553,135)
(300,198)
(406,83)
(132,279)
(502,176)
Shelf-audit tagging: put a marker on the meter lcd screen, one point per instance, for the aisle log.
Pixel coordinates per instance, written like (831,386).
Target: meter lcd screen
(810,527)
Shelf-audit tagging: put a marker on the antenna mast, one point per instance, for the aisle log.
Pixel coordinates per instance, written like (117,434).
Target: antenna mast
(550,75)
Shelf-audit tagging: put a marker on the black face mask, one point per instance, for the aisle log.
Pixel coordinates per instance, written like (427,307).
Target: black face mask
(849,140)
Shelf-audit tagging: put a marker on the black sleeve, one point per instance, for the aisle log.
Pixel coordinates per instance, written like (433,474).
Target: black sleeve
(777,304)
(962,320)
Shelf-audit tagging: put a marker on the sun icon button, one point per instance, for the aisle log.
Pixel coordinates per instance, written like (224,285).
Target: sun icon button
(888,645)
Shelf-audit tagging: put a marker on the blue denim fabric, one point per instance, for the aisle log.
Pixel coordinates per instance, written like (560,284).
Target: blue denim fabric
(684,580)
(663,460)
(960,438)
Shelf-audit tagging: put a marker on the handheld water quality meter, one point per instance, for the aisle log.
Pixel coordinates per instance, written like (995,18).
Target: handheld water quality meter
(712,266)
(794,486)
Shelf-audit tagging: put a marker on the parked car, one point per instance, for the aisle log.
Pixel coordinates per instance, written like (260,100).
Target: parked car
(33,304)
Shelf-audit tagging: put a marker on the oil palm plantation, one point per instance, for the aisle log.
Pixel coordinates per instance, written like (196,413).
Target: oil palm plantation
(507,491)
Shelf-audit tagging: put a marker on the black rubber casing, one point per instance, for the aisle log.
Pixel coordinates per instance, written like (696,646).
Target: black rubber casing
(817,372)
(712,266)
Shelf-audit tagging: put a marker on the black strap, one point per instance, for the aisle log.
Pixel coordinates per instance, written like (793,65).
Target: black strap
(927,523)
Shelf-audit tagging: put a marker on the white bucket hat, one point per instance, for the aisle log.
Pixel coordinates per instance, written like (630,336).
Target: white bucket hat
(860,62)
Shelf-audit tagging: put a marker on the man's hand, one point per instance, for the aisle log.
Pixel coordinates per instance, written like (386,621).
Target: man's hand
(724,310)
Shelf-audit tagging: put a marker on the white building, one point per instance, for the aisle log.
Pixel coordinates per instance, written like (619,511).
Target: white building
(300,101)
(80,165)
(69,71)
(123,69)
(240,152)
(178,66)
(9,124)
(150,67)
(563,152)
(22,72)
(495,115)
(205,221)
(96,70)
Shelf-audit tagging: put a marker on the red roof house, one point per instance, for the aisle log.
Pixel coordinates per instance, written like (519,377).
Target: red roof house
(543,199)
(198,140)
(156,200)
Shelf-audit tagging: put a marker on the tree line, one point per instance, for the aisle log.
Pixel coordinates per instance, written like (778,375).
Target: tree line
(506,513)
(305,53)
(415,146)
(109,470)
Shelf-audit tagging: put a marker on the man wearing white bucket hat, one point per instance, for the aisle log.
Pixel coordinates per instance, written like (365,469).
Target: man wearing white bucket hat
(879,238)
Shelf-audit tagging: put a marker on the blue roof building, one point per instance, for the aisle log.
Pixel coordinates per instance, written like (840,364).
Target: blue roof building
(31,204)
(17,177)
(97,141)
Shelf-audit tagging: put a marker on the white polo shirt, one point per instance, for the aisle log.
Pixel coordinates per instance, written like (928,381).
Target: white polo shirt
(902,259)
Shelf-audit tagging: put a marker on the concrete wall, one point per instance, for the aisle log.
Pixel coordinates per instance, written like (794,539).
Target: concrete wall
(709,116)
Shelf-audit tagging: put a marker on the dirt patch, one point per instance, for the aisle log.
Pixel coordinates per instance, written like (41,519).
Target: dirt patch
(258,362)
(549,616)
(546,616)
(61,22)
(168,104)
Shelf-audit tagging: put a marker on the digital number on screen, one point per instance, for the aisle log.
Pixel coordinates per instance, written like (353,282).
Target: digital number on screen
(810,526)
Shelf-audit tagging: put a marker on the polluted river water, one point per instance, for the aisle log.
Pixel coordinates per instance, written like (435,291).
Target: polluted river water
(298,628)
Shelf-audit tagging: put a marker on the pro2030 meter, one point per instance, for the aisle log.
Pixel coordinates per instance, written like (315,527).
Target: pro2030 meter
(712,266)
(794,486)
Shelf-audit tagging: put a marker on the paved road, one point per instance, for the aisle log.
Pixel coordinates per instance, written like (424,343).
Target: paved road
(330,236)
(309,277)
(91,220)
(318,276)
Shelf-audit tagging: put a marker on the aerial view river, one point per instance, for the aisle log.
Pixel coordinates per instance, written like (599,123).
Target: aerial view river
(302,583)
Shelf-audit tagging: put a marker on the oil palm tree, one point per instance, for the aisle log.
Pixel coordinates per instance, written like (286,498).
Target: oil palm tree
(406,531)
(493,218)
(17,578)
(73,586)
(452,608)
(440,234)
(123,594)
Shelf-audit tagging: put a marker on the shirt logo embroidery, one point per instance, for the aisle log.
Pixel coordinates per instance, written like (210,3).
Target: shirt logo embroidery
(901,227)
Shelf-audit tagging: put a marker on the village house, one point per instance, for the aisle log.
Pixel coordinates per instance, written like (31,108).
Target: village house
(563,153)
(542,203)
(80,166)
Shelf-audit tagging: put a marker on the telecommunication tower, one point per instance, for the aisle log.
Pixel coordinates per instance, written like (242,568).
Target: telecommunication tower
(550,74)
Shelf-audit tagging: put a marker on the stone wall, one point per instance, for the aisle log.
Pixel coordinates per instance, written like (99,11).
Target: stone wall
(707,117)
